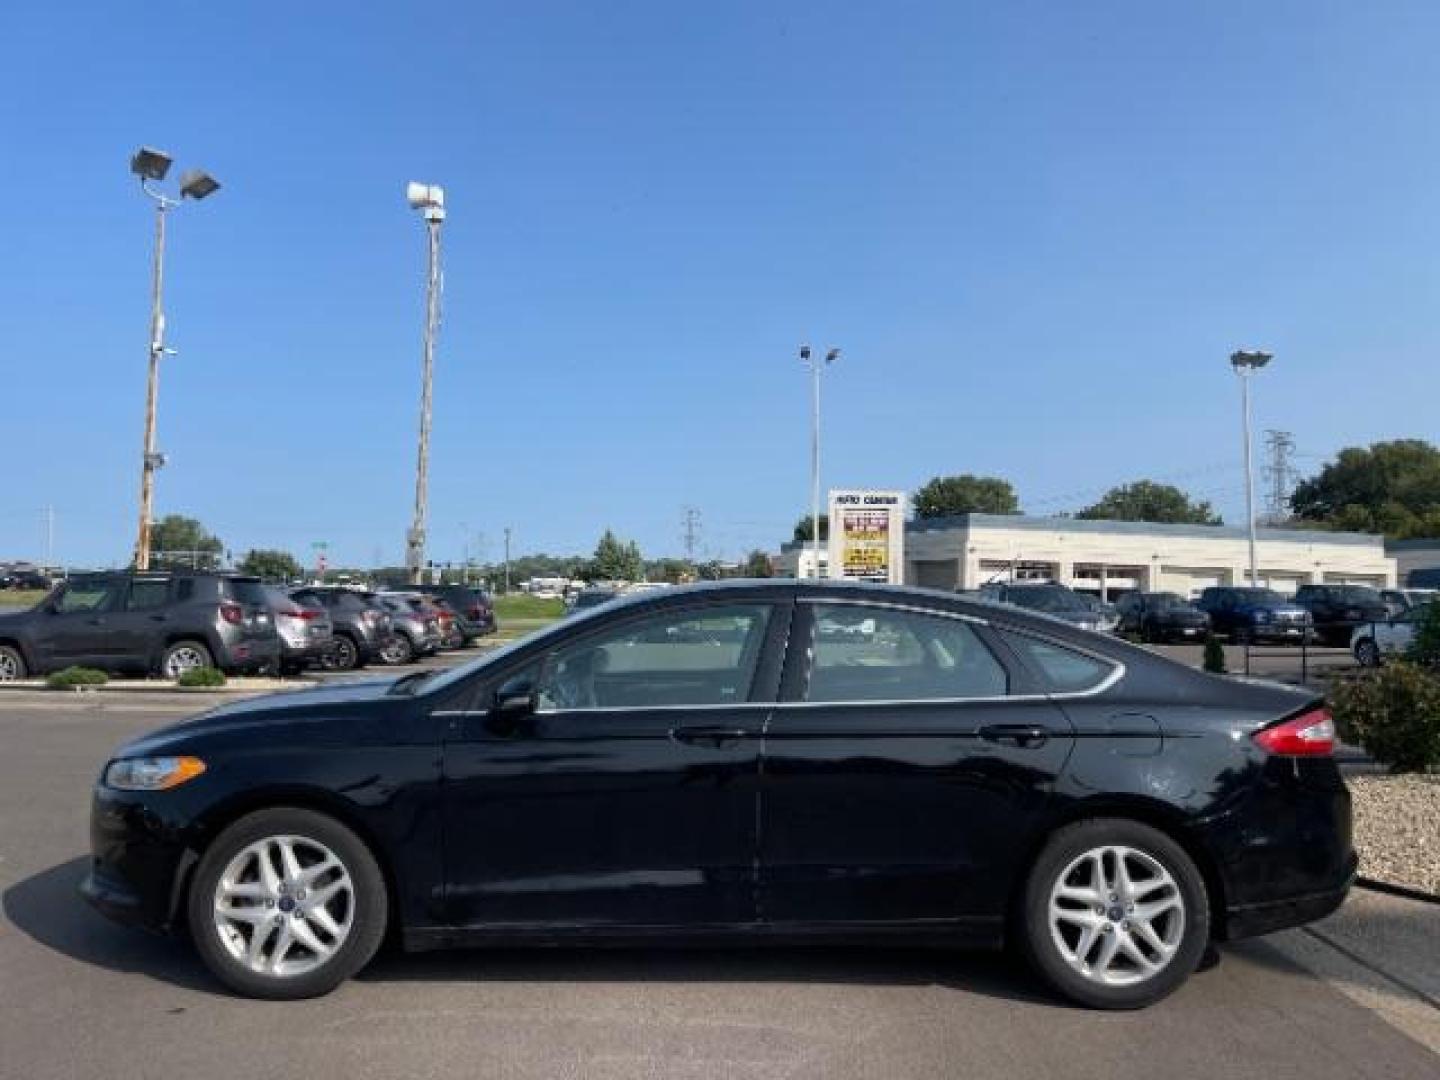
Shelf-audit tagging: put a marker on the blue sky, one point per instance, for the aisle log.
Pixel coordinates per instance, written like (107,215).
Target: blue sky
(1036,229)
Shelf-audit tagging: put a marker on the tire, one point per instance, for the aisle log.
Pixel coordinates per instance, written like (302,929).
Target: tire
(182,656)
(400,650)
(1059,948)
(344,654)
(1367,653)
(12,664)
(354,912)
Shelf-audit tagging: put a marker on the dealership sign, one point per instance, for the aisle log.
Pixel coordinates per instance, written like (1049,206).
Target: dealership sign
(867,535)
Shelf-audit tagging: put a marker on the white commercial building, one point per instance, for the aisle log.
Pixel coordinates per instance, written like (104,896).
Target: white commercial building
(1109,557)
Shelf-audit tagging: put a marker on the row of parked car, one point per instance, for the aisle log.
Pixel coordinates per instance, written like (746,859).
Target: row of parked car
(168,622)
(1326,614)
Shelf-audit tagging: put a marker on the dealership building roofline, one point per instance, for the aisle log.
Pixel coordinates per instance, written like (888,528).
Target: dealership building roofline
(1137,528)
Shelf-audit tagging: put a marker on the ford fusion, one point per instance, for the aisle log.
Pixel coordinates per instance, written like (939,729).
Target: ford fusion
(743,762)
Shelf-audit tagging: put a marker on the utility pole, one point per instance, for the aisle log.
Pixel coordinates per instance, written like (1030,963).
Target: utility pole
(507,558)
(1246,364)
(691,525)
(814,367)
(49,515)
(429,199)
(1279,475)
(151,166)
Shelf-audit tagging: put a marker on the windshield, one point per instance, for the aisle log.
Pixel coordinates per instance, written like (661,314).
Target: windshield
(1260,596)
(1358,594)
(1168,601)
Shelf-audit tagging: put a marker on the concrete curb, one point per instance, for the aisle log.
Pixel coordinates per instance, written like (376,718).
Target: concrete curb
(234,686)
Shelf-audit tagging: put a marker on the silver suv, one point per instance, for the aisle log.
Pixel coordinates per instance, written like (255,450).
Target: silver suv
(144,623)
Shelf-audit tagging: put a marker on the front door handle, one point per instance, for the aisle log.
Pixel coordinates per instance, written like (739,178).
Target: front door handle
(1025,736)
(708,735)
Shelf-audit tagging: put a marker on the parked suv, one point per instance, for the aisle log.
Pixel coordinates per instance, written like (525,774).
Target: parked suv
(475,614)
(416,627)
(1161,616)
(306,633)
(1048,598)
(146,623)
(1339,609)
(360,627)
(1253,614)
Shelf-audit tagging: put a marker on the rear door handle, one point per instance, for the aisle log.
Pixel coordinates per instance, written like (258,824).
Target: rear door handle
(708,735)
(1025,736)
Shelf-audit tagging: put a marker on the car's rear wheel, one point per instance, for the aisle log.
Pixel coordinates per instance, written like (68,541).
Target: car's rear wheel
(12,664)
(287,903)
(184,656)
(1367,653)
(398,650)
(344,654)
(1115,914)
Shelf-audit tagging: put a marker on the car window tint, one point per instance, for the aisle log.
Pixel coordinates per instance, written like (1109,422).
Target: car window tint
(84,596)
(247,592)
(863,653)
(705,657)
(1063,670)
(145,595)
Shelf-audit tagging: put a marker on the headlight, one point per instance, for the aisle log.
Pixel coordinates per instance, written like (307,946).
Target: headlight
(152,774)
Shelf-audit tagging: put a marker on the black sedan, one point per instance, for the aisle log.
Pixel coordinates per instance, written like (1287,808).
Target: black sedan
(1161,616)
(753,761)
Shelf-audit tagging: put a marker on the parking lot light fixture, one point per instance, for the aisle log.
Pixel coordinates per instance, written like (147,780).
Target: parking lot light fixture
(1246,364)
(814,366)
(429,199)
(152,166)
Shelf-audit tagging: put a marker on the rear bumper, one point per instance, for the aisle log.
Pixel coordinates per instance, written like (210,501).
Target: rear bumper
(1249,920)
(249,655)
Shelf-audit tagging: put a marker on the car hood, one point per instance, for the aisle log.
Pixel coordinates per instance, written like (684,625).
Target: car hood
(294,707)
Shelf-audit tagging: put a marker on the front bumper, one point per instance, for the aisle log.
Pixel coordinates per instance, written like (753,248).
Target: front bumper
(138,863)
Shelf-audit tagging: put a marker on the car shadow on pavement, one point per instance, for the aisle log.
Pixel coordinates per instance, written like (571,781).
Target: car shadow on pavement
(48,907)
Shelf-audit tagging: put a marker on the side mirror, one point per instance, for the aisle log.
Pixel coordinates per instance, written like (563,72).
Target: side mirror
(514,703)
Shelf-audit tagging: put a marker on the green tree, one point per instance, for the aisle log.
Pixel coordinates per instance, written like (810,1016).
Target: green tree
(1387,487)
(758,565)
(615,560)
(946,496)
(1145,500)
(271,564)
(176,540)
(802,529)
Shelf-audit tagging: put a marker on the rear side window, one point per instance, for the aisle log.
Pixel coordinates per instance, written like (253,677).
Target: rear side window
(145,595)
(879,654)
(1064,671)
(184,590)
(85,596)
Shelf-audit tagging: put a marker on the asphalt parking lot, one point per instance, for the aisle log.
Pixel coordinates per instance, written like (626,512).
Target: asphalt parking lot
(82,998)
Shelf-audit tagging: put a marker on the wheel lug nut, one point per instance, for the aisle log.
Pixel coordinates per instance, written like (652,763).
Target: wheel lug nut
(279,920)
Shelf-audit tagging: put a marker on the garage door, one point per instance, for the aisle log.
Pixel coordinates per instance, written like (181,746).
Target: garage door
(1190,580)
(935,573)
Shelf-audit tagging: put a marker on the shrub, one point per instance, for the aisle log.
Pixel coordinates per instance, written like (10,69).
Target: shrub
(72,678)
(1214,655)
(1425,649)
(1394,713)
(202,676)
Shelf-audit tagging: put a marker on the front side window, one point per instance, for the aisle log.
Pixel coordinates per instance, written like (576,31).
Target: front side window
(1064,671)
(705,657)
(84,596)
(864,653)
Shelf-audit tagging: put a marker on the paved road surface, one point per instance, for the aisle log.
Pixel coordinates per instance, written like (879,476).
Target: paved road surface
(81,998)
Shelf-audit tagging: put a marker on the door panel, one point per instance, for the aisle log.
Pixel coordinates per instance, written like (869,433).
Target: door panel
(630,797)
(901,810)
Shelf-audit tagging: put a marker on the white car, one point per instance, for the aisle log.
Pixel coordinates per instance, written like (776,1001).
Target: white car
(1372,642)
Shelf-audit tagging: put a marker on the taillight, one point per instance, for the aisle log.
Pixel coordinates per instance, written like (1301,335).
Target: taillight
(305,613)
(1311,734)
(232,613)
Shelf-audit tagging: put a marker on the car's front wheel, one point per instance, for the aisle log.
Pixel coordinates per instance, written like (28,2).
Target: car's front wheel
(287,903)
(12,664)
(398,650)
(1114,914)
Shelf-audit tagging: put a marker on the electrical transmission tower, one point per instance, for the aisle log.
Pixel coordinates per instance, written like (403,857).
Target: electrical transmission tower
(690,523)
(1279,475)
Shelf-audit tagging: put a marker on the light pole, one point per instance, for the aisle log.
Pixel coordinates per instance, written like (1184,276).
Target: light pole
(430,200)
(1247,364)
(814,366)
(150,166)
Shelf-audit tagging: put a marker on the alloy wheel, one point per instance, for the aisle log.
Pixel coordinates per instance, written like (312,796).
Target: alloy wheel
(9,667)
(284,906)
(185,658)
(1116,916)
